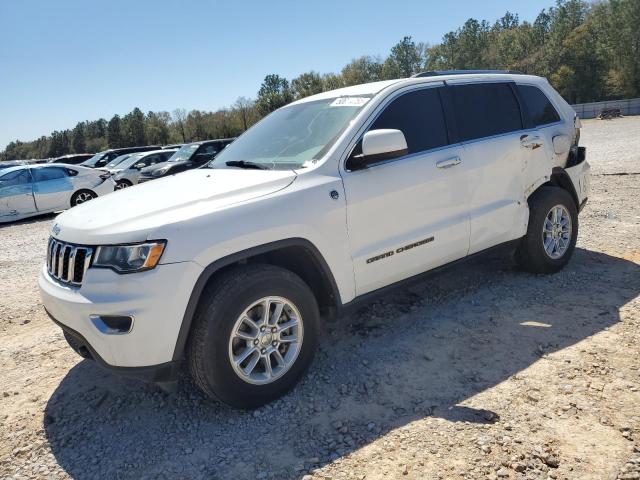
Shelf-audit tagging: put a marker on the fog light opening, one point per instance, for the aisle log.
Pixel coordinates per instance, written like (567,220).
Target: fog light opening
(112,324)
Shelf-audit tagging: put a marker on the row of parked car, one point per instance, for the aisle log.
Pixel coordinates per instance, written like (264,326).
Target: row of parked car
(38,187)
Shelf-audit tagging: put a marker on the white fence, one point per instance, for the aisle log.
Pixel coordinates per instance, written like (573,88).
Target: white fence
(592,110)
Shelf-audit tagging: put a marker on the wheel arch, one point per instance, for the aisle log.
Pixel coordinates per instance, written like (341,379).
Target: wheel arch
(298,255)
(560,178)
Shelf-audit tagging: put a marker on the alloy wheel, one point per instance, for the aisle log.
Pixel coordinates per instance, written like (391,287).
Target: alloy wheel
(266,340)
(556,232)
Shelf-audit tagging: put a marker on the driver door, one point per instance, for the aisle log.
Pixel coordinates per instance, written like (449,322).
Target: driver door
(410,214)
(16,194)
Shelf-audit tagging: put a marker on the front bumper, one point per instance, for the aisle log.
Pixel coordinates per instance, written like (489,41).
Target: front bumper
(156,299)
(163,373)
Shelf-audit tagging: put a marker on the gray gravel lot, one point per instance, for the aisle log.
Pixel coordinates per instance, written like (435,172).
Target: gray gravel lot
(480,372)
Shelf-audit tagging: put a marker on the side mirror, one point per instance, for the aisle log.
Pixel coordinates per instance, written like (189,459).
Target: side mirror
(377,146)
(139,166)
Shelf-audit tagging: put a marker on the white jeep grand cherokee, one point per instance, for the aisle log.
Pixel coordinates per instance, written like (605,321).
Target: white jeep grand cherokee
(323,203)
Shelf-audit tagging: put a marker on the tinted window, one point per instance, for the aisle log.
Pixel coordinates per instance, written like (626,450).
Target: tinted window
(19,177)
(152,159)
(419,116)
(44,174)
(483,110)
(538,106)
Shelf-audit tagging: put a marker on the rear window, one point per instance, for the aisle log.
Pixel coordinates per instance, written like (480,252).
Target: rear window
(538,107)
(485,109)
(44,174)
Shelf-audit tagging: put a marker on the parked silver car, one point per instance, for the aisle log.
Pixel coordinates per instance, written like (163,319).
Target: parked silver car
(29,190)
(126,172)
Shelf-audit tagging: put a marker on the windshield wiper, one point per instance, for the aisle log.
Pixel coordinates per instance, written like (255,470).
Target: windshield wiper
(245,164)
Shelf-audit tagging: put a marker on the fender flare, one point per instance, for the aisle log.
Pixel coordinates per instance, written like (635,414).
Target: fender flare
(560,178)
(217,265)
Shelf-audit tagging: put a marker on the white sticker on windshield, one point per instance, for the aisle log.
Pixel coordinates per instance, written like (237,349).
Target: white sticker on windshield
(349,102)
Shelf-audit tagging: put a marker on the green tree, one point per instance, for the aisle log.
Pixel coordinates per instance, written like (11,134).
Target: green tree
(114,132)
(273,94)
(307,84)
(133,128)
(78,140)
(364,69)
(406,58)
(331,81)
(156,127)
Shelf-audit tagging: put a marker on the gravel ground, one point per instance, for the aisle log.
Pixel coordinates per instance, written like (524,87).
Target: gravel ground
(480,372)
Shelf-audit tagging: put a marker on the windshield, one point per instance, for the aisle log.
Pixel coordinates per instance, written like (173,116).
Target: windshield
(117,161)
(94,160)
(184,153)
(293,135)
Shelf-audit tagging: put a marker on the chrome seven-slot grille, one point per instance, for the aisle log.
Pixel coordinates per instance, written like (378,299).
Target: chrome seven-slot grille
(68,263)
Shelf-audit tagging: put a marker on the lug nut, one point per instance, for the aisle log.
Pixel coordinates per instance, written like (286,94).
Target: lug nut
(263,351)
(262,329)
(274,329)
(255,342)
(274,343)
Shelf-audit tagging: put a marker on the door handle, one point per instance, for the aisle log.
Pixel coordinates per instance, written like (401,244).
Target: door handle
(449,162)
(531,142)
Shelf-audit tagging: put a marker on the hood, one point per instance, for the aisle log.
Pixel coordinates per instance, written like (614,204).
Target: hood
(132,214)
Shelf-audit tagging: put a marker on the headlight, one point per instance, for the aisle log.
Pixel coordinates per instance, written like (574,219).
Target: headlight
(130,258)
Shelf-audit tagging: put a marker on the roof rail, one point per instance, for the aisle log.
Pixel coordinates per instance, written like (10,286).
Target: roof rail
(437,73)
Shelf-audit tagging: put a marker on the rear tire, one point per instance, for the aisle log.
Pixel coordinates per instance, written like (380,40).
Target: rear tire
(82,196)
(552,231)
(230,323)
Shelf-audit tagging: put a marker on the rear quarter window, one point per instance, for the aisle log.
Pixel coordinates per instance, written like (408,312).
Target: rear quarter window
(538,107)
(484,109)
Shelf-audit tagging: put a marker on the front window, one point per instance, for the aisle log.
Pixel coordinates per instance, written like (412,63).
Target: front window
(184,153)
(17,177)
(293,135)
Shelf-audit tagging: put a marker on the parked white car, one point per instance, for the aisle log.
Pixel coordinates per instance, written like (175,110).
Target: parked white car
(30,190)
(323,204)
(127,172)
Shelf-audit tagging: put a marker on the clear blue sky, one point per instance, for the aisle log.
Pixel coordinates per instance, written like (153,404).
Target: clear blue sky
(64,61)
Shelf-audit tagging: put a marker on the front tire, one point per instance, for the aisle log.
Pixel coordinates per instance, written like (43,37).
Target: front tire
(121,184)
(254,335)
(552,231)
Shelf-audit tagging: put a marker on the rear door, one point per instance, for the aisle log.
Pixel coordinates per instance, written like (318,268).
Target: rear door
(52,188)
(490,126)
(409,214)
(542,120)
(16,194)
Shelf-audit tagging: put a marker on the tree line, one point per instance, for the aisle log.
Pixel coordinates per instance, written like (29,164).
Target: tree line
(588,51)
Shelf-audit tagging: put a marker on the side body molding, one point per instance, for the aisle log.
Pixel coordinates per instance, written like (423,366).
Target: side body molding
(209,271)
